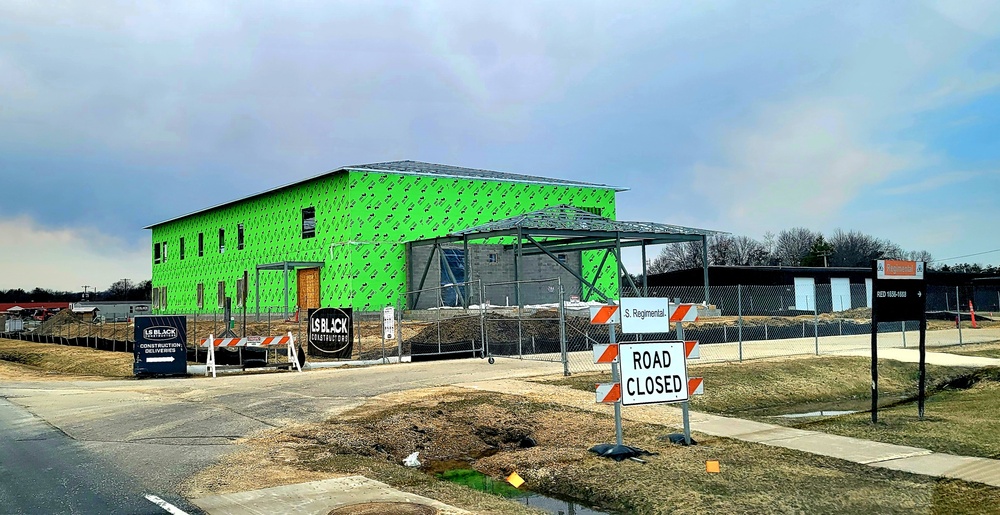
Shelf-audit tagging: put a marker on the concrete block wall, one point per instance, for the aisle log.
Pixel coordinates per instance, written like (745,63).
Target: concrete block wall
(499,271)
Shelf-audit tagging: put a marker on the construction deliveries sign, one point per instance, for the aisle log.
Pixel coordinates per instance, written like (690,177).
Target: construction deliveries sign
(160,345)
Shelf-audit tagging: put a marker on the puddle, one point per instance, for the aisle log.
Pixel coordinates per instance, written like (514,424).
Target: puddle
(476,480)
(823,413)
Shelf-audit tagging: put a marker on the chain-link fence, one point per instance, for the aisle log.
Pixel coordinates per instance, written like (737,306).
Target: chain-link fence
(479,320)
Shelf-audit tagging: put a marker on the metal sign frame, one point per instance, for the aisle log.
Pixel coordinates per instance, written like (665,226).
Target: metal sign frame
(899,294)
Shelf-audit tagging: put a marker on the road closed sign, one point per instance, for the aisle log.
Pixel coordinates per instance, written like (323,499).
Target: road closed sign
(653,372)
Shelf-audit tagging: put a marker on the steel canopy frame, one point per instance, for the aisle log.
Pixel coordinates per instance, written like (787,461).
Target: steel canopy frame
(284,266)
(568,229)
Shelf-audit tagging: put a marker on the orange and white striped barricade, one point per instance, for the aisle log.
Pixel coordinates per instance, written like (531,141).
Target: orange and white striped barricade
(602,315)
(609,393)
(288,341)
(683,313)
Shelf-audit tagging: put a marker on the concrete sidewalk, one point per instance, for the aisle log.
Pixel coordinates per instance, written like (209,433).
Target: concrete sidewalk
(933,358)
(867,452)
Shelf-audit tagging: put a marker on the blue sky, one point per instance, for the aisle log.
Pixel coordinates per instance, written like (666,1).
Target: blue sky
(744,117)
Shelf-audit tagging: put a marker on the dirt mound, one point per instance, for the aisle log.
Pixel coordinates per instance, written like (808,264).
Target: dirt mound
(459,431)
(57,325)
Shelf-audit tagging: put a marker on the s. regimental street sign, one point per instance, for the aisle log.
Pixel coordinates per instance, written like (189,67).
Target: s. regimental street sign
(160,345)
(331,333)
(899,294)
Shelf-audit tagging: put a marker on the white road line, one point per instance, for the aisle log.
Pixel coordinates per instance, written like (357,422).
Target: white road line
(170,508)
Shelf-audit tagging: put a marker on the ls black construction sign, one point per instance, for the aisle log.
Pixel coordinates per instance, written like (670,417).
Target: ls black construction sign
(331,333)
(160,345)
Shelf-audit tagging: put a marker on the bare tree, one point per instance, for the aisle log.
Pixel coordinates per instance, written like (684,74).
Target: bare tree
(677,256)
(919,255)
(792,246)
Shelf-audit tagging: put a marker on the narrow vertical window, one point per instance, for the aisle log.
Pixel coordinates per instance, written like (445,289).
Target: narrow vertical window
(239,292)
(156,298)
(222,240)
(156,253)
(239,237)
(308,222)
(201,244)
(201,296)
(182,248)
(163,297)
(222,294)
(163,258)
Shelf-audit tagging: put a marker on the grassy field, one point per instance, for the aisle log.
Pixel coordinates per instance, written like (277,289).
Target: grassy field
(962,406)
(963,421)
(754,478)
(985,350)
(757,389)
(25,359)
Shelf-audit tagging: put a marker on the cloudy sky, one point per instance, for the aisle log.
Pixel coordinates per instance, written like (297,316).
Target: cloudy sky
(739,116)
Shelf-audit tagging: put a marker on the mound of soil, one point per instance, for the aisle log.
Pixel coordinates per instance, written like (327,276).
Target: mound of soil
(56,326)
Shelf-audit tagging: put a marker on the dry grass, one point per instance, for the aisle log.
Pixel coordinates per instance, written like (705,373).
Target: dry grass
(792,385)
(453,424)
(964,421)
(40,360)
(985,350)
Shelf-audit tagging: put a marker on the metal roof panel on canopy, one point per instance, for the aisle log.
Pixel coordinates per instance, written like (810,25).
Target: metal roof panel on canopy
(566,228)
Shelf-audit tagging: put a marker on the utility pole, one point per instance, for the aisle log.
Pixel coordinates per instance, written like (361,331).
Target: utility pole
(125,292)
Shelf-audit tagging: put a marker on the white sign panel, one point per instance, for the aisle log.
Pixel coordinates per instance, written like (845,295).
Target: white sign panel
(805,293)
(894,269)
(645,315)
(653,372)
(389,322)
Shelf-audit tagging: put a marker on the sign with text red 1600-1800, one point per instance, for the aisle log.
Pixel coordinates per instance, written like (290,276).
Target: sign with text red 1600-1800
(653,372)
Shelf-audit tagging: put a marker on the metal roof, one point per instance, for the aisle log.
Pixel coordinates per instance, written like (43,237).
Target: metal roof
(413,168)
(566,228)
(566,217)
(438,170)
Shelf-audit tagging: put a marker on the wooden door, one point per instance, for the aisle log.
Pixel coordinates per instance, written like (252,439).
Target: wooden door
(307,280)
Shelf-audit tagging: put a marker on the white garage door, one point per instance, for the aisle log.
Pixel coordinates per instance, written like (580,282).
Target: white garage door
(805,293)
(840,294)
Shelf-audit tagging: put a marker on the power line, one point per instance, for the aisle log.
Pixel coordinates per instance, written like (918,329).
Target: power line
(967,255)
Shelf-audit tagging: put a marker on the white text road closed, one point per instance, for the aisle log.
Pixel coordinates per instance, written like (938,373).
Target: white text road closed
(645,315)
(653,372)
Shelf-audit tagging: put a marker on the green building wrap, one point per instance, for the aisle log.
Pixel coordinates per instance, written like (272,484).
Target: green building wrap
(363,221)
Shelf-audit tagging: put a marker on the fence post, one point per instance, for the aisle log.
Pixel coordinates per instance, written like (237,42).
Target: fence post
(482,317)
(816,324)
(399,330)
(739,304)
(562,330)
(902,327)
(958,311)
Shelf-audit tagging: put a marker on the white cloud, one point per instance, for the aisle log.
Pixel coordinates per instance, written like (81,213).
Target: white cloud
(797,164)
(65,258)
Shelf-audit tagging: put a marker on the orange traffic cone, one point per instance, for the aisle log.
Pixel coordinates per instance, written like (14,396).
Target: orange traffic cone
(972,312)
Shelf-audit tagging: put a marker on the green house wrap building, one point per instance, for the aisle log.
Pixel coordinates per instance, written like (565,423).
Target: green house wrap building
(343,235)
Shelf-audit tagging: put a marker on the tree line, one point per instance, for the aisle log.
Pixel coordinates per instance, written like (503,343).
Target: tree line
(120,290)
(798,246)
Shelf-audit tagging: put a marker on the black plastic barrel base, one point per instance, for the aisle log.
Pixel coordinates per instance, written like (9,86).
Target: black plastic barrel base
(678,439)
(618,452)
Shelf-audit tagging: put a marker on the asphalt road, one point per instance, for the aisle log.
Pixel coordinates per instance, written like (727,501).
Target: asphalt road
(42,470)
(101,446)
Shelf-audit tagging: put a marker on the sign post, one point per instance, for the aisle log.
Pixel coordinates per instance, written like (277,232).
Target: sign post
(160,345)
(899,293)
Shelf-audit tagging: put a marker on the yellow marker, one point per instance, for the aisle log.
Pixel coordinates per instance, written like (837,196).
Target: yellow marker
(515,480)
(712,467)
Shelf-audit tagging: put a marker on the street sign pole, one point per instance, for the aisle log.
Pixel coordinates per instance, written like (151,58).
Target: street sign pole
(875,367)
(685,406)
(616,378)
(923,366)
